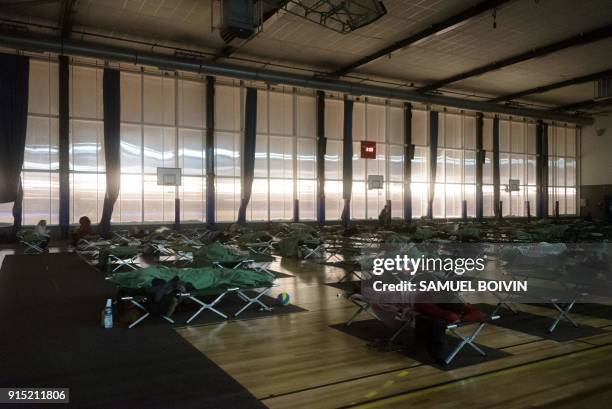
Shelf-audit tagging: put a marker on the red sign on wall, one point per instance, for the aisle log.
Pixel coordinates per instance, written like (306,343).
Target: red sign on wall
(368,150)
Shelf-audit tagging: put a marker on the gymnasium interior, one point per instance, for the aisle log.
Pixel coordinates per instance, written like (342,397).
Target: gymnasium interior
(206,203)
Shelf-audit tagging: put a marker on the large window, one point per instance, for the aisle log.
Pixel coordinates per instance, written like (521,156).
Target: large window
(229,104)
(40,176)
(561,169)
(273,186)
(163,124)
(334,120)
(306,156)
(456,166)
(517,162)
(87,167)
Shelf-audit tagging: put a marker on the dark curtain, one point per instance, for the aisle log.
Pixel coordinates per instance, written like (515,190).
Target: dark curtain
(433,159)
(496,174)
(347,161)
(248,164)
(321,148)
(112,144)
(480,160)
(14,81)
(545,170)
(210,150)
(408,155)
(64,145)
(18,208)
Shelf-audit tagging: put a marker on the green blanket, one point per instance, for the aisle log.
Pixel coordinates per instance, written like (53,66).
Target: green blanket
(198,278)
(215,253)
(253,237)
(290,245)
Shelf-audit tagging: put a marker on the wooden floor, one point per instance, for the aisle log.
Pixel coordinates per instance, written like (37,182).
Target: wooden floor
(298,361)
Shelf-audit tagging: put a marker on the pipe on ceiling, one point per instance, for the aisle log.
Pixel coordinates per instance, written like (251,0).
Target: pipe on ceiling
(80,48)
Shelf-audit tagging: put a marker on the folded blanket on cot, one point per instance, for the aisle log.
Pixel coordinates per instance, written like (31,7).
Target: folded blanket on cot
(290,245)
(254,237)
(198,278)
(215,253)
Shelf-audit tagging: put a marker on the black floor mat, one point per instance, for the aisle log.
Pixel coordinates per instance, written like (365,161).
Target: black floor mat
(347,286)
(537,325)
(50,321)
(376,333)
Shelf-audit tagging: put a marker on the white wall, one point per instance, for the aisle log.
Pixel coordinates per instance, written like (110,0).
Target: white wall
(596,158)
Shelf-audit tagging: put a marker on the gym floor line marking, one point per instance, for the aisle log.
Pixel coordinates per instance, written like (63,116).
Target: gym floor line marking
(403,372)
(404,395)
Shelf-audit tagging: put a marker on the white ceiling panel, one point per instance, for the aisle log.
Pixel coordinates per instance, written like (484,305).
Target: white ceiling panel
(289,42)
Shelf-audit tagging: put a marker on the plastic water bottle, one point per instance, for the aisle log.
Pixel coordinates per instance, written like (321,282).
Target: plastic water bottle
(107,314)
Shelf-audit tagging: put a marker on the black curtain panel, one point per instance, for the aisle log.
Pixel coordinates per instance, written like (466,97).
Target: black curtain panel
(210,150)
(408,155)
(496,171)
(112,144)
(480,160)
(64,145)
(347,161)
(433,159)
(248,164)
(14,81)
(545,171)
(321,148)
(18,208)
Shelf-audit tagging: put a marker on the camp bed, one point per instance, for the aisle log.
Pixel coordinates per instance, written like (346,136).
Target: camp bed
(311,249)
(121,236)
(33,244)
(562,301)
(407,321)
(362,306)
(255,299)
(138,301)
(186,240)
(161,249)
(467,340)
(561,291)
(88,244)
(260,247)
(198,298)
(120,256)
(250,295)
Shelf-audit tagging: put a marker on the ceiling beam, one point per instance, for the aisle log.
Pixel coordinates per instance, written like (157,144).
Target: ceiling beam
(574,41)
(434,29)
(103,51)
(27,3)
(545,88)
(587,104)
(67,18)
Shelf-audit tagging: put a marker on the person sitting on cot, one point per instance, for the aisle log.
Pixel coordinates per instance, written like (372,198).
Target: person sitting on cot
(83,230)
(384,218)
(42,233)
(432,319)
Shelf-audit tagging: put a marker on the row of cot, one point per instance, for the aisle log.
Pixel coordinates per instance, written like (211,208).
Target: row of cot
(202,266)
(561,281)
